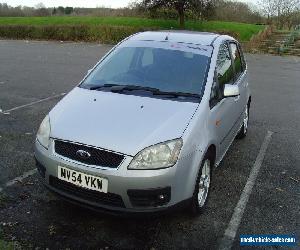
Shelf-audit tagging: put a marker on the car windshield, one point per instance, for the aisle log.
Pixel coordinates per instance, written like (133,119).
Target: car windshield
(167,69)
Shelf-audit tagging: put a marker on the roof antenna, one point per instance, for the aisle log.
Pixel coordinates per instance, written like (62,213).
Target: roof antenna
(167,37)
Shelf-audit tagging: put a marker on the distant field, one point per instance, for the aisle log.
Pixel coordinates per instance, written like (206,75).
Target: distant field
(244,31)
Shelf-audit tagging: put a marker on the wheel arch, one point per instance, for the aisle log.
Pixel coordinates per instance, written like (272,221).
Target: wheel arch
(211,152)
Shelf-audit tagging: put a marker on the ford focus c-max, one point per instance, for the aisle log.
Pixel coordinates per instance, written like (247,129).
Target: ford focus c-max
(144,129)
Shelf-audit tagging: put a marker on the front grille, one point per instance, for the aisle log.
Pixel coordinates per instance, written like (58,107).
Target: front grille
(98,157)
(108,199)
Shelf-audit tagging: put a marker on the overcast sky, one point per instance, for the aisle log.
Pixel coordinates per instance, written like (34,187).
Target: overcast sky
(78,3)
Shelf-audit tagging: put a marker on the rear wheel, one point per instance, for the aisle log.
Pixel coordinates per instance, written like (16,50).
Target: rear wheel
(201,191)
(244,129)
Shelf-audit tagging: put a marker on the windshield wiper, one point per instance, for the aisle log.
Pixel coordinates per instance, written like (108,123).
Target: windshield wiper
(98,87)
(177,94)
(117,88)
(132,88)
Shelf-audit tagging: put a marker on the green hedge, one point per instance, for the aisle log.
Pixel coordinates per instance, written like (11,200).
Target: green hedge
(88,33)
(109,34)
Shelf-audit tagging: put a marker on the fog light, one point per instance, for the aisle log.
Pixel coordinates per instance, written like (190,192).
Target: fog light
(161,197)
(149,197)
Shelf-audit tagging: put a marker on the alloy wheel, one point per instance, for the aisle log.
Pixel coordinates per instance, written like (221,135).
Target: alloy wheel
(204,183)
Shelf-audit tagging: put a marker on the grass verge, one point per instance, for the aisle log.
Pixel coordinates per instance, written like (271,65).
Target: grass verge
(108,29)
(102,33)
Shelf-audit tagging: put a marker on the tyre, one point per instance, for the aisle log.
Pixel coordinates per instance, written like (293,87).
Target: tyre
(202,187)
(244,129)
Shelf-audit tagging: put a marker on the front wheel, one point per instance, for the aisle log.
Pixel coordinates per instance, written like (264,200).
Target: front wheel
(244,129)
(201,191)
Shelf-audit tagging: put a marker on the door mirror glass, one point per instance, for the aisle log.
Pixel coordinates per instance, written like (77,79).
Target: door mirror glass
(231,90)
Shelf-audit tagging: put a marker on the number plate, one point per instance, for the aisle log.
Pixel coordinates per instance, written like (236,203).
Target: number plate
(83,180)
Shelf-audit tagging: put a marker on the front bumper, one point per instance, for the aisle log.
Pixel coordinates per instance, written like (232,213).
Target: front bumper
(128,190)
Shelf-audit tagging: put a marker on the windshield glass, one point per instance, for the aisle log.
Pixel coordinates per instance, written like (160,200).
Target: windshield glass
(168,69)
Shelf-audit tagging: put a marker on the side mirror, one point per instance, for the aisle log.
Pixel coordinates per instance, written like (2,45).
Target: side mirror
(231,90)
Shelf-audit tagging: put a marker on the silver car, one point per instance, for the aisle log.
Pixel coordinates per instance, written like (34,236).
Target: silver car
(144,129)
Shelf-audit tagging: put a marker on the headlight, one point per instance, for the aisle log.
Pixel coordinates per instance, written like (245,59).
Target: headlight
(161,155)
(43,133)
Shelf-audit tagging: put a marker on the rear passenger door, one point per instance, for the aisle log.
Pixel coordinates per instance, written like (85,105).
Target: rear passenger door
(240,79)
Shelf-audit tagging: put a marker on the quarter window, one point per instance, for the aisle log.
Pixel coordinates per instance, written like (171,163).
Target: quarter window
(242,57)
(237,61)
(224,68)
(223,75)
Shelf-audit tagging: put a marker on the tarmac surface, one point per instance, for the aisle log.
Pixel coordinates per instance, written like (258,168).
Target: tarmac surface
(33,218)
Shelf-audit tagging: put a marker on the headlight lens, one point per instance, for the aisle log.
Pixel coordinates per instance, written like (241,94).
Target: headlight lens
(161,155)
(43,133)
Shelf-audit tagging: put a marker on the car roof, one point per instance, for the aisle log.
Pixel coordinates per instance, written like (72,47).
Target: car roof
(177,36)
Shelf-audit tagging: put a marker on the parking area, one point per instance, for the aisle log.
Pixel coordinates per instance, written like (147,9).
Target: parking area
(35,75)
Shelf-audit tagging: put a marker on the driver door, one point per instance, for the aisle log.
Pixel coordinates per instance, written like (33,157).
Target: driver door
(222,110)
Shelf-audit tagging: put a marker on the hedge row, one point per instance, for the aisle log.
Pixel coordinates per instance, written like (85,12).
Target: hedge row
(109,34)
(88,33)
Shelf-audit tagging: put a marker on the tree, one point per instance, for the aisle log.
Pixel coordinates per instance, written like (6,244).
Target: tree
(60,10)
(6,10)
(41,10)
(295,20)
(282,11)
(69,10)
(237,12)
(40,6)
(179,5)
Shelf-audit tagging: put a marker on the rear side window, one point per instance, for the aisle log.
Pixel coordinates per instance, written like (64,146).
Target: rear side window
(237,60)
(224,67)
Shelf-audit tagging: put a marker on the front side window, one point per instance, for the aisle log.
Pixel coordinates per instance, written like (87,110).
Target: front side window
(163,68)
